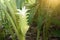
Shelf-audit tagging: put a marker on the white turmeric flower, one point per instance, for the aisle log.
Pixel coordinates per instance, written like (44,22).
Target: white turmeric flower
(23,11)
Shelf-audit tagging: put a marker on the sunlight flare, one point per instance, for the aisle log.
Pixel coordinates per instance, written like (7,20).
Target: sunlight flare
(52,3)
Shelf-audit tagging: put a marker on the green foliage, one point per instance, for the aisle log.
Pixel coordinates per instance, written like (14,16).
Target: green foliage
(14,18)
(15,24)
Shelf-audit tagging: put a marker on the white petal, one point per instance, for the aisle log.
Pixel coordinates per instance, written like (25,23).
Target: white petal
(23,11)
